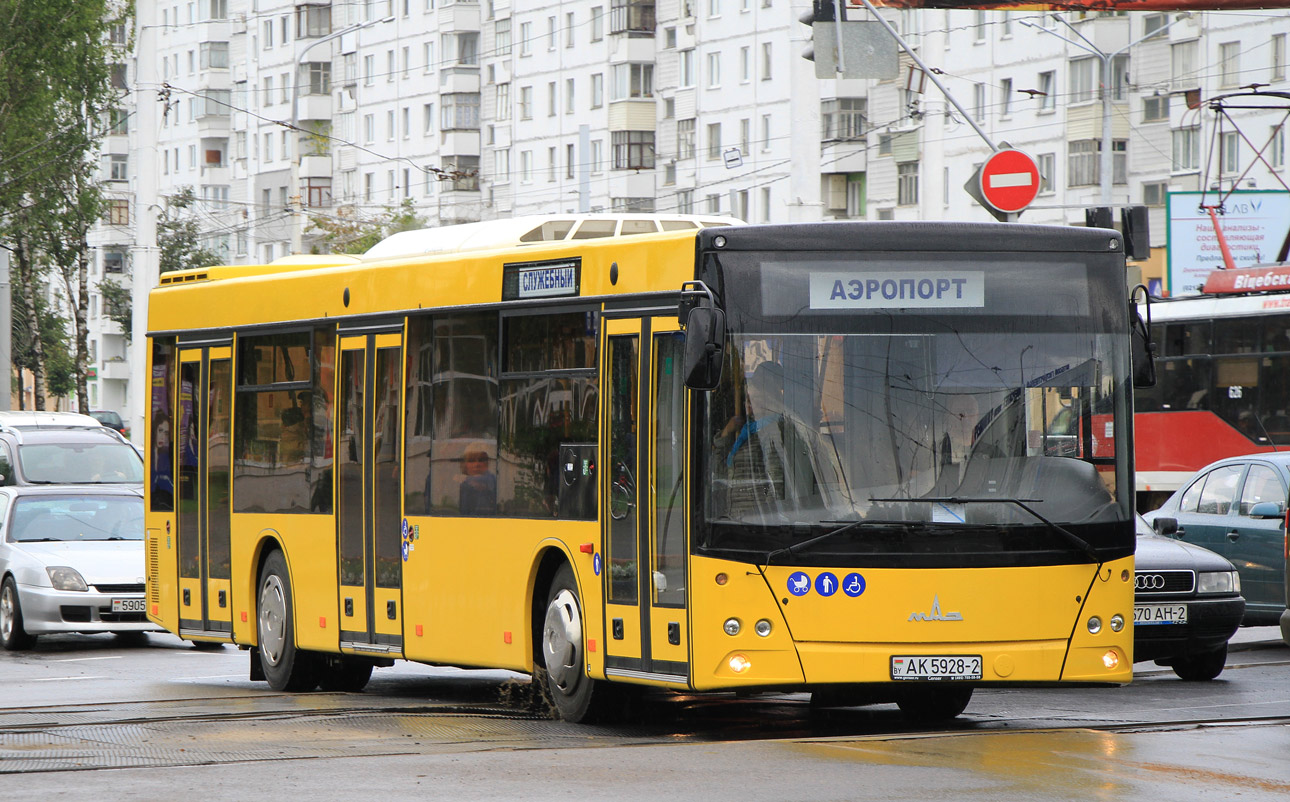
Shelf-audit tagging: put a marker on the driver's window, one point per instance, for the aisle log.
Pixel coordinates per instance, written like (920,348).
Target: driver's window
(1220,490)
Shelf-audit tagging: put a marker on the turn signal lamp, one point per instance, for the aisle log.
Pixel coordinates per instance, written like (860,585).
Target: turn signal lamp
(1111,660)
(739,664)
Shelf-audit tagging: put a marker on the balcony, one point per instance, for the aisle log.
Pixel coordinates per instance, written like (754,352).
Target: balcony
(115,369)
(459,78)
(315,166)
(313,107)
(459,143)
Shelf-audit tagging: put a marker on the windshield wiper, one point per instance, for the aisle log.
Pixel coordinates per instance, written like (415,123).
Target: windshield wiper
(793,549)
(1023,503)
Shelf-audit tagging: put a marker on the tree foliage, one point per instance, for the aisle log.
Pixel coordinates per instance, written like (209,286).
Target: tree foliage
(179,235)
(349,232)
(59,81)
(118,305)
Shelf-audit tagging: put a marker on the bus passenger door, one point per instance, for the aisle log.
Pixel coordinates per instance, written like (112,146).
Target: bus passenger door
(202,513)
(369,494)
(645,546)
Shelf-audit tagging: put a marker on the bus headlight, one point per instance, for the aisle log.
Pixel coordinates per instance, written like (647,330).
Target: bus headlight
(1094,625)
(1111,659)
(1218,582)
(732,626)
(1117,622)
(762,628)
(64,578)
(739,664)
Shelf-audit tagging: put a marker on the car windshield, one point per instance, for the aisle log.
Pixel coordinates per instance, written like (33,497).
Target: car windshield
(79,463)
(76,519)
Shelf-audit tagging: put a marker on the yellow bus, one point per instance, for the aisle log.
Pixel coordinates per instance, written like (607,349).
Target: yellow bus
(876,462)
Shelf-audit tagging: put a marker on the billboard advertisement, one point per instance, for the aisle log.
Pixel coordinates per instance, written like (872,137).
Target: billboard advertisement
(1255,224)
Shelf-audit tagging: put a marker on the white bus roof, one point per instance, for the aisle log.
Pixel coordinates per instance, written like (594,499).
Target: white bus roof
(532,229)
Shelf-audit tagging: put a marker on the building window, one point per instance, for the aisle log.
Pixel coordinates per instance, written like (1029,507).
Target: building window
(1182,64)
(907,183)
(1155,108)
(687,68)
(1005,97)
(214,55)
(1278,57)
(631,16)
(597,23)
(766,62)
(118,168)
(118,212)
(502,102)
(633,80)
(685,139)
(502,37)
(526,102)
(1231,152)
(460,111)
(685,201)
(526,166)
(1047,91)
(313,21)
(1277,147)
(1154,193)
(1081,166)
(1229,64)
(502,165)
(1047,163)
(1083,79)
(1153,22)
(842,118)
(714,141)
(317,77)
(884,144)
(714,70)
(597,90)
(526,38)
(633,150)
(569,161)
(1186,149)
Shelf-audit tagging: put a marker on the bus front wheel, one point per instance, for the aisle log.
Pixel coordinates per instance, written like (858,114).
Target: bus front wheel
(286,668)
(576,696)
(926,705)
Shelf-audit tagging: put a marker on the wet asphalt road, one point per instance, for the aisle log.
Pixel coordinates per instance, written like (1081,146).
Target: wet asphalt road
(97,718)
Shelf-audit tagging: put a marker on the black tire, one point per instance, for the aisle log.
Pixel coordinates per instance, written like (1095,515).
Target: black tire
(575,696)
(927,705)
(12,635)
(286,668)
(348,674)
(1201,667)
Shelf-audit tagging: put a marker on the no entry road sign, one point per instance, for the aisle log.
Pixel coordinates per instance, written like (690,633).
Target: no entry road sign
(1009,181)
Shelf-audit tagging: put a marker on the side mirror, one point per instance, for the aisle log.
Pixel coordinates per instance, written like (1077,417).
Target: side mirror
(705,347)
(1165,526)
(1266,509)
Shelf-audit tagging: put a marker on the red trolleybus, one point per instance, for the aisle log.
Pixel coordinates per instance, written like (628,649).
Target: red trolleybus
(646,452)
(1223,384)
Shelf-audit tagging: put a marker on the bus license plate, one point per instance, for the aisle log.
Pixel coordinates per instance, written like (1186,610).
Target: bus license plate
(1147,615)
(917,666)
(129,605)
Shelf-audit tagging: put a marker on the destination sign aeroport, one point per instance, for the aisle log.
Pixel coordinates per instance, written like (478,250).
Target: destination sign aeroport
(1079,5)
(938,289)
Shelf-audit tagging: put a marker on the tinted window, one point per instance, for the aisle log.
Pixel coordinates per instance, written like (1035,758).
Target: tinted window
(161,410)
(81,463)
(1220,490)
(77,518)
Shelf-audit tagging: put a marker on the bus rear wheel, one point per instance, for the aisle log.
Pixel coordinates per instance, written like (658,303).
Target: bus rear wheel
(286,668)
(926,705)
(575,696)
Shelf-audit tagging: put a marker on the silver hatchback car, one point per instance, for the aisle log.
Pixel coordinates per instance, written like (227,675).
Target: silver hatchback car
(71,560)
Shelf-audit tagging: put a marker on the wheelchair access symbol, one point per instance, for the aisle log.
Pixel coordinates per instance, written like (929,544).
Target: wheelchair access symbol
(853,585)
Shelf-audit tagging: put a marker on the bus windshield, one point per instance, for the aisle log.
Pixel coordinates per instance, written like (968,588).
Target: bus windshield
(996,427)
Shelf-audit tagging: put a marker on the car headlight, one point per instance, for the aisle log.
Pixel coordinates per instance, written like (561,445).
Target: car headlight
(65,578)
(1218,582)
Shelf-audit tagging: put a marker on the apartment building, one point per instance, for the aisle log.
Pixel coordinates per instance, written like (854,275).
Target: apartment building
(277,113)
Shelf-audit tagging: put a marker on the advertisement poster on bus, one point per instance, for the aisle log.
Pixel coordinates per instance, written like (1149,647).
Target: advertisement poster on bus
(1255,223)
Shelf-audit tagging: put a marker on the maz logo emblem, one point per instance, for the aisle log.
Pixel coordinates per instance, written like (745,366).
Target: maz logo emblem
(936,614)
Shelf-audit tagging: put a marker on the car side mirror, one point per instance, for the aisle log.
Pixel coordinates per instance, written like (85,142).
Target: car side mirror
(1165,526)
(705,347)
(1266,509)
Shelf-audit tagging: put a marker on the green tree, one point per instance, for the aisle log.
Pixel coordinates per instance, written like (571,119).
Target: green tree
(59,82)
(179,236)
(118,305)
(347,232)
(52,344)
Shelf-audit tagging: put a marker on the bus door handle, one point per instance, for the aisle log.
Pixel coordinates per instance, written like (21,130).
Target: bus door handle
(1233,536)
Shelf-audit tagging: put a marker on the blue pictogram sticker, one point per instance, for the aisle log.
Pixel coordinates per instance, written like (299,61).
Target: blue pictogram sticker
(853,585)
(826,584)
(799,584)
(595,563)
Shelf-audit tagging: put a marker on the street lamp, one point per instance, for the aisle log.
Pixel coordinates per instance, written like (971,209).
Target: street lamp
(297,224)
(1107,160)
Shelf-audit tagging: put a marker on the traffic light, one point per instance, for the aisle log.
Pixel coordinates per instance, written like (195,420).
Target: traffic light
(821,11)
(1099,217)
(1137,232)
